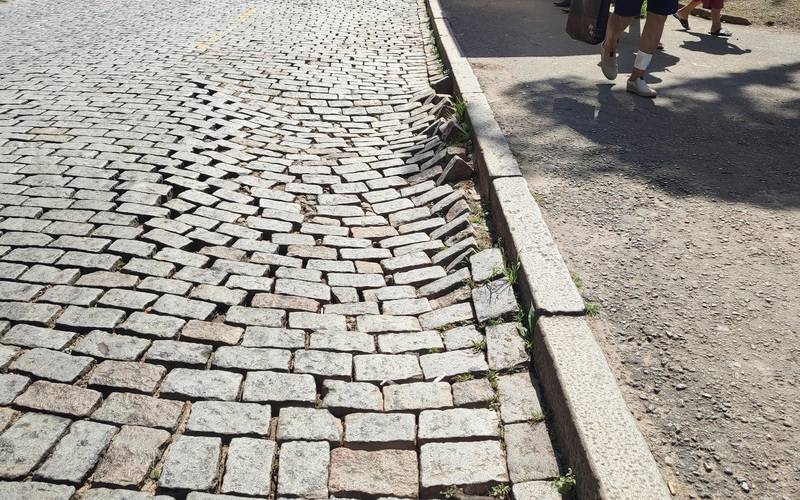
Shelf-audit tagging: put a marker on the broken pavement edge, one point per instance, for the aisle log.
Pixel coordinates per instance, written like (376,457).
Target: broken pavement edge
(596,433)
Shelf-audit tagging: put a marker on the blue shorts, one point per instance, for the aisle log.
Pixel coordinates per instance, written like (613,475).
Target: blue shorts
(632,8)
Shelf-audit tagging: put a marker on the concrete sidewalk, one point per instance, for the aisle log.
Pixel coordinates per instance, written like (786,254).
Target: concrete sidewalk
(681,217)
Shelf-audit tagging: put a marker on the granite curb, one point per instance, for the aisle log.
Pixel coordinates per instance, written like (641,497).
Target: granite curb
(596,432)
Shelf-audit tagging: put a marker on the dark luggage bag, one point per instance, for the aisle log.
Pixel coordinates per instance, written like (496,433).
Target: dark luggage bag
(587,20)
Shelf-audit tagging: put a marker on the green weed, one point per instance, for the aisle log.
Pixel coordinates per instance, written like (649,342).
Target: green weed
(500,491)
(565,482)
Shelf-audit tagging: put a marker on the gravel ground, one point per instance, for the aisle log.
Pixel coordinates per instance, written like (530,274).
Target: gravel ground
(780,13)
(681,217)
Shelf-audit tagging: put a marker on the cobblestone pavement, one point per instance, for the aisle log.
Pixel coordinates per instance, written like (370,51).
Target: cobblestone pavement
(228,266)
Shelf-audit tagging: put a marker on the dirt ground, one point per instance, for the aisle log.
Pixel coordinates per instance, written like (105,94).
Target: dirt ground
(780,13)
(680,216)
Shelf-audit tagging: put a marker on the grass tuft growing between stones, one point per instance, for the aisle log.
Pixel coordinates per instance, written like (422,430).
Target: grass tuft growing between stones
(500,491)
(565,482)
(592,308)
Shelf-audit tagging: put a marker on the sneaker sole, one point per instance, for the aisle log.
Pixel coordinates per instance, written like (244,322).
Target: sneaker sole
(636,92)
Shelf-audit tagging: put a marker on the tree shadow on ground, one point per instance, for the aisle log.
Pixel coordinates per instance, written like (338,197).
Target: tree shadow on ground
(727,138)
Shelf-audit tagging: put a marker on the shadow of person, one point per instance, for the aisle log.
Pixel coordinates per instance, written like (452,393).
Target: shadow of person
(711,44)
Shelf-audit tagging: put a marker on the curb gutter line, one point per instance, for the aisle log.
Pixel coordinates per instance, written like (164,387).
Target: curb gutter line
(596,432)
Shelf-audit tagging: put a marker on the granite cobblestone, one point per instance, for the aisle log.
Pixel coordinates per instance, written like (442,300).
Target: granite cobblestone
(230,265)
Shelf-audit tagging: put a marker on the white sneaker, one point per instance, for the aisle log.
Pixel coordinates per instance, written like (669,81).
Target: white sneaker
(640,87)
(608,63)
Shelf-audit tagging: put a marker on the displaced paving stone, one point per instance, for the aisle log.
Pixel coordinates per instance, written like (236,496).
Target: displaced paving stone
(518,399)
(125,408)
(61,399)
(309,424)
(530,453)
(449,315)
(191,463)
(374,473)
(451,363)
(417,396)
(27,441)
(229,418)
(505,346)
(494,300)
(184,383)
(486,264)
(77,453)
(184,308)
(248,468)
(472,465)
(129,457)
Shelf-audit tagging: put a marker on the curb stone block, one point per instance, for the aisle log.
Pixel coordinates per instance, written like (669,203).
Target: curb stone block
(545,279)
(598,435)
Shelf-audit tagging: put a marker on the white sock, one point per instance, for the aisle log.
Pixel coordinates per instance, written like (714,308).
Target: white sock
(642,60)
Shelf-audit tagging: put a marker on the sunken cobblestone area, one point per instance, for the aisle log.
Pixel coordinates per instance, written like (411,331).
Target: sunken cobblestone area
(228,264)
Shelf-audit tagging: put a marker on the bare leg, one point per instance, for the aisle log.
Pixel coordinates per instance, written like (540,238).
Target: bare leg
(688,8)
(616,26)
(648,41)
(716,19)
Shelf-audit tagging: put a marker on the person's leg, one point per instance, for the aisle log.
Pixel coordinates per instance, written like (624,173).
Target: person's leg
(683,13)
(616,26)
(716,19)
(648,42)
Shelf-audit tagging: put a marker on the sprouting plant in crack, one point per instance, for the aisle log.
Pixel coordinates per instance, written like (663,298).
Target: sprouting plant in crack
(500,491)
(494,403)
(536,417)
(565,482)
(577,280)
(511,272)
(478,345)
(592,308)
(450,492)
(463,377)
(527,330)
(459,110)
(155,473)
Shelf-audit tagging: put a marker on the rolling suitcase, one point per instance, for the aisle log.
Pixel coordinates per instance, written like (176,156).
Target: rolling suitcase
(587,20)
